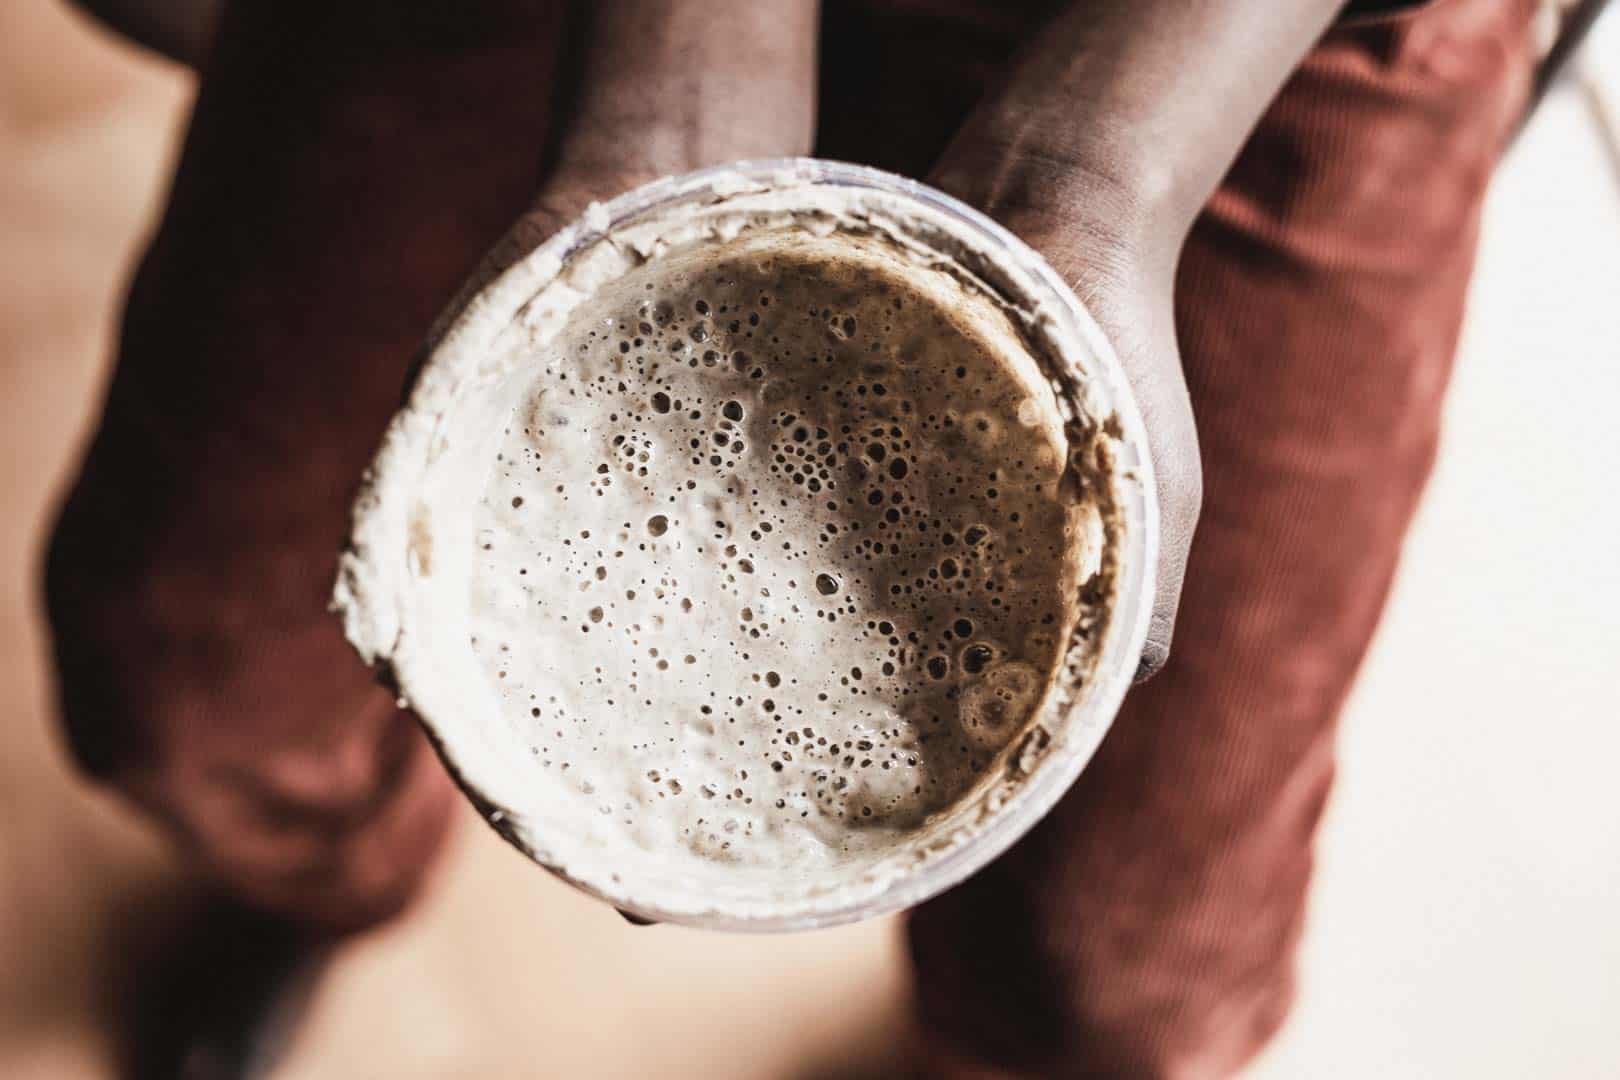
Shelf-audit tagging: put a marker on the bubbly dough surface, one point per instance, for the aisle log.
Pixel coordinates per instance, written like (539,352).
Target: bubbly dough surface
(773,561)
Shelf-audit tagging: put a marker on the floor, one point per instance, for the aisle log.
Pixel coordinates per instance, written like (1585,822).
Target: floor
(1462,922)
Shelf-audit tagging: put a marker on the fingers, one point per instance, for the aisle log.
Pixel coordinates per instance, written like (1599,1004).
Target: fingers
(1161,394)
(1133,305)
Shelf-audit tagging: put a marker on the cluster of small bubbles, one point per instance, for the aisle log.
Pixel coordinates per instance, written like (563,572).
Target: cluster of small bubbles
(805,551)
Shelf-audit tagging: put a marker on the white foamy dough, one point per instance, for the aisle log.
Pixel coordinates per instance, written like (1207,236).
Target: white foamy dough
(773,561)
(775,547)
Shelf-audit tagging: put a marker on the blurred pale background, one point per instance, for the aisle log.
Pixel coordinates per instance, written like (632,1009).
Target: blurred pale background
(1464,918)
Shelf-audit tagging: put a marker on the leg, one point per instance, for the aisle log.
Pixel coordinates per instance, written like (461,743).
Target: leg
(1147,927)
(345,168)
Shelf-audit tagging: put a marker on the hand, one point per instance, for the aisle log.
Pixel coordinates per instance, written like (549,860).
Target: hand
(1099,151)
(1095,232)
(1096,136)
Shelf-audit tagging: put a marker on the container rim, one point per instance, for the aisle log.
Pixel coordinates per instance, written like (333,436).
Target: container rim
(1135,534)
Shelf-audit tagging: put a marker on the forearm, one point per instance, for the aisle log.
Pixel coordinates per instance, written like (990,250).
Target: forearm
(1130,111)
(667,86)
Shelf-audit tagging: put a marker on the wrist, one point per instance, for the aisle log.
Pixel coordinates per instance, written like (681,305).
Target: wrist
(666,87)
(1116,213)
(1123,116)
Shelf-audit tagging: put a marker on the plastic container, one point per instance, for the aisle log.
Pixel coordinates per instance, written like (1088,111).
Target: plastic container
(1086,376)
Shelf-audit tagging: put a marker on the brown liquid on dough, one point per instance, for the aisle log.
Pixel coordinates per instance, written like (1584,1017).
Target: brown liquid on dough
(773,562)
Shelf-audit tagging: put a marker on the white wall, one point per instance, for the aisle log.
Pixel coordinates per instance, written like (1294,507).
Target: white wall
(1466,917)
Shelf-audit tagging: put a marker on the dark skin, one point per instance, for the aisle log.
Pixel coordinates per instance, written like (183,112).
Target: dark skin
(350,167)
